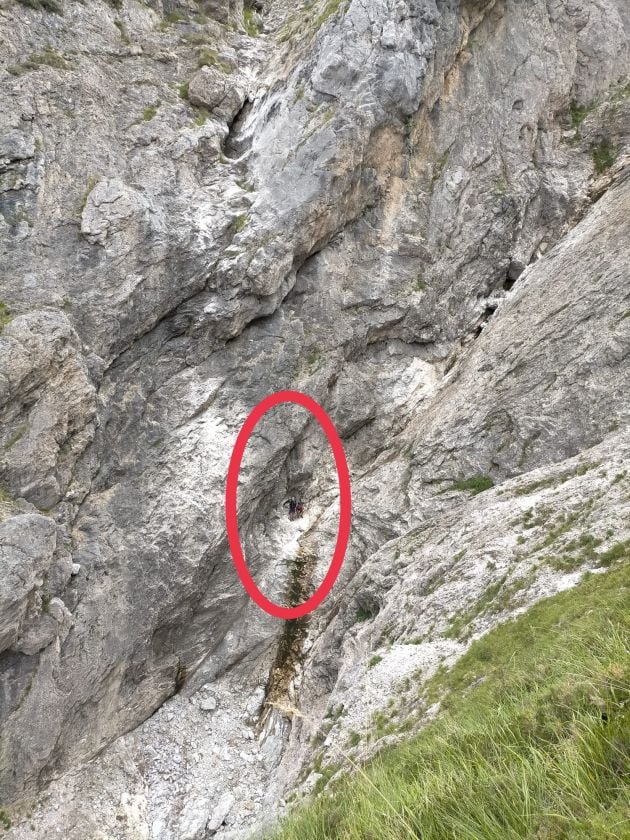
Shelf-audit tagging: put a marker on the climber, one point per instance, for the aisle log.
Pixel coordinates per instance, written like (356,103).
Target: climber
(292,504)
(299,510)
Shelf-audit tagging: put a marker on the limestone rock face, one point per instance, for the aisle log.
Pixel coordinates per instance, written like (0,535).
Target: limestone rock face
(223,94)
(27,544)
(111,212)
(415,212)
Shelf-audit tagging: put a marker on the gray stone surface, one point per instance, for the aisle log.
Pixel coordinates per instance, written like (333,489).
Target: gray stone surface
(220,92)
(194,819)
(27,546)
(220,812)
(420,218)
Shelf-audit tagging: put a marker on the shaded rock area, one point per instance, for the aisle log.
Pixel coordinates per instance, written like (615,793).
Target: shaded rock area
(417,212)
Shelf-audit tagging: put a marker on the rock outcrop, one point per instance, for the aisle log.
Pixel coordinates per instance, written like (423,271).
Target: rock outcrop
(416,211)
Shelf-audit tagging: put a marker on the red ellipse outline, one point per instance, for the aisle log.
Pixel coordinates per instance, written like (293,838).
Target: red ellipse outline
(345,504)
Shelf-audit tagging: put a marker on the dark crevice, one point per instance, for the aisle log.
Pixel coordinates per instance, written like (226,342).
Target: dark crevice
(487,314)
(237,143)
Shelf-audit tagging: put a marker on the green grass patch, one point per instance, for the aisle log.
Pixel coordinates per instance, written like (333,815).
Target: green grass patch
(48,57)
(331,8)
(175,17)
(5,820)
(420,285)
(201,118)
(92,182)
(473,485)
(374,660)
(335,712)
(149,112)
(532,741)
(195,37)
(555,480)
(209,58)
(460,626)
(239,223)
(249,22)
(604,155)
(559,527)
(619,551)
(577,553)
(5,315)
(438,168)
(5,497)
(578,113)
(312,361)
(183,91)
(326,774)
(622,92)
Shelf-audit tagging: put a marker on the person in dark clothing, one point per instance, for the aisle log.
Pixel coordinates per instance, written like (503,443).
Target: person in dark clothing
(292,505)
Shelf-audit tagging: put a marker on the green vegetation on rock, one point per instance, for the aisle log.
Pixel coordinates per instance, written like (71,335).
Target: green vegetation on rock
(249,22)
(5,315)
(473,485)
(5,496)
(331,8)
(48,57)
(554,480)
(364,615)
(578,113)
(604,155)
(532,740)
(92,182)
(201,118)
(209,58)
(239,222)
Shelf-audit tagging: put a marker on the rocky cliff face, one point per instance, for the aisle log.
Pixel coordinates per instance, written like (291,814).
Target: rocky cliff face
(417,212)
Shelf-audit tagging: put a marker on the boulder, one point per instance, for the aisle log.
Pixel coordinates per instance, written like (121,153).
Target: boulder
(220,812)
(192,823)
(217,91)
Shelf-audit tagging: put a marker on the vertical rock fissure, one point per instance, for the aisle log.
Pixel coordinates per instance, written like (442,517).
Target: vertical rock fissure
(280,692)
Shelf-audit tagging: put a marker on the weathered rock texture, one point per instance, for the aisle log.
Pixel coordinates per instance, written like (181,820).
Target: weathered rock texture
(418,212)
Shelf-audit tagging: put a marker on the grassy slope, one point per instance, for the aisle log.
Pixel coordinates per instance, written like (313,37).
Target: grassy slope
(533,740)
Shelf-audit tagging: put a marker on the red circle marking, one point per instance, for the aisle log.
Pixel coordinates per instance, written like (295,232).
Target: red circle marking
(231,516)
